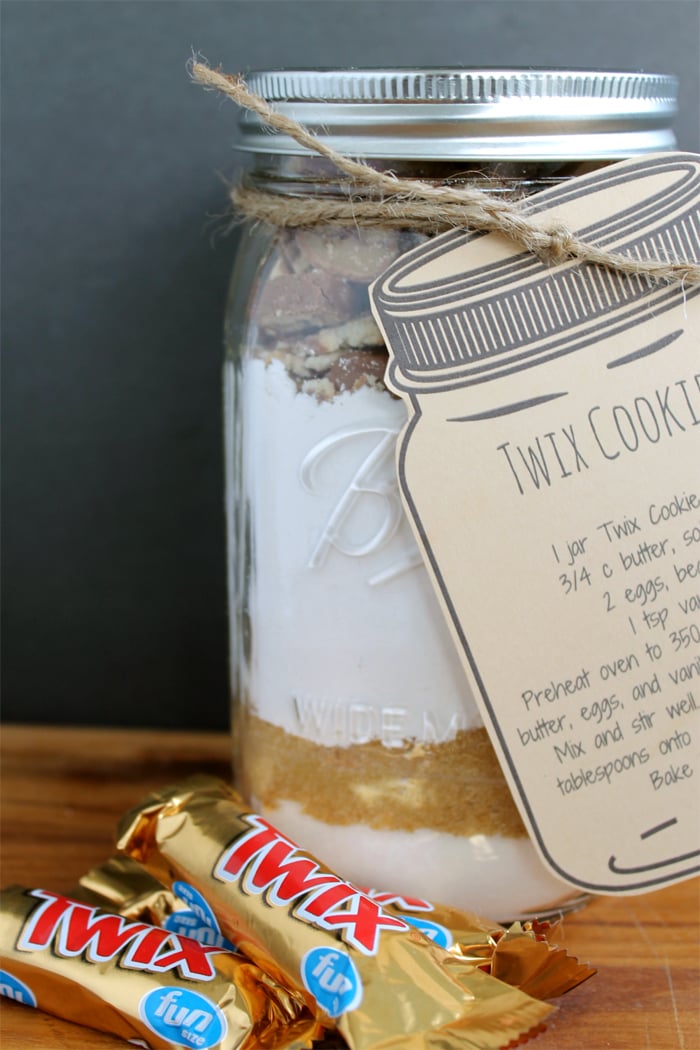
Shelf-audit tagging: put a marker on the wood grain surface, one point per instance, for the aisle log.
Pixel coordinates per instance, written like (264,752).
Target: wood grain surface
(63,791)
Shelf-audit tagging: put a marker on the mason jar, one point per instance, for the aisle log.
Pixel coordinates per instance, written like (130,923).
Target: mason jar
(355,731)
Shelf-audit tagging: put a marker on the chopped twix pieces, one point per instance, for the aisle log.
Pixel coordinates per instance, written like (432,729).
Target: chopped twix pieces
(312,313)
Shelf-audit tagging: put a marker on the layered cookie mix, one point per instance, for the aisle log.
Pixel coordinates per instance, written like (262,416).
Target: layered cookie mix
(355,727)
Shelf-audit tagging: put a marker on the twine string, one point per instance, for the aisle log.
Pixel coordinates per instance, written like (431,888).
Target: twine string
(404,202)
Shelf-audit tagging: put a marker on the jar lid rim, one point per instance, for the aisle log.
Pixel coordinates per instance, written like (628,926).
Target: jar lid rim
(455,84)
(453,114)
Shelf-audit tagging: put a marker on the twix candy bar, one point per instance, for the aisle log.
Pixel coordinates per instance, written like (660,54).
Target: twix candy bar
(520,954)
(358,966)
(139,981)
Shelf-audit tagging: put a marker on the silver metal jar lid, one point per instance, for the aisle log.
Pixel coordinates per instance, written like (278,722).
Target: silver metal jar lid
(454,114)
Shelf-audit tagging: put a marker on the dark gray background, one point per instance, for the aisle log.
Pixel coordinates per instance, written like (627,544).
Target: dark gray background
(114,605)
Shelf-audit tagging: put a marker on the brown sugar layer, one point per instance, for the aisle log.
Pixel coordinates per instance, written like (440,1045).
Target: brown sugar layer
(455,787)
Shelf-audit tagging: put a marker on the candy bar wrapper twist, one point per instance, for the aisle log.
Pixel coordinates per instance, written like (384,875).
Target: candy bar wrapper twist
(145,984)
(360,968)
(520,955)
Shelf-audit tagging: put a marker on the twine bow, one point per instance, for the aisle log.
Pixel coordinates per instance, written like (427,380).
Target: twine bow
(401,202)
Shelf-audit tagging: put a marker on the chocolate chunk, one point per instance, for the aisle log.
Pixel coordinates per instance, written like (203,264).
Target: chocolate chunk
(296,302)
(355,370)
(358,254)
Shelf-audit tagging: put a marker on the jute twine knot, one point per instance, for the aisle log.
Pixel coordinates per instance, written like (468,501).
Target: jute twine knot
(380,198)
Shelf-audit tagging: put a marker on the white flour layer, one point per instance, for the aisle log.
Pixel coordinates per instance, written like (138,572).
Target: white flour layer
(500,878)
(348,641)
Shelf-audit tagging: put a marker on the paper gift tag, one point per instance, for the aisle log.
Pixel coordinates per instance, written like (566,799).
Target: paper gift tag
(550,468)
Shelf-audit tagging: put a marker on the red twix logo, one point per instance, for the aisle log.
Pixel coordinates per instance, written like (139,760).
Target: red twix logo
(71,929)
(264,861)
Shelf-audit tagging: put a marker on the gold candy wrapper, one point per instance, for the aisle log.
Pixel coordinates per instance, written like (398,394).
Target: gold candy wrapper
(360,968)
(139,981)
(122,885)
(537,967)
(520,954)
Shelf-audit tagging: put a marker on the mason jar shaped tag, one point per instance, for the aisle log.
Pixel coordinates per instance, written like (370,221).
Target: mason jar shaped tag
(550,468)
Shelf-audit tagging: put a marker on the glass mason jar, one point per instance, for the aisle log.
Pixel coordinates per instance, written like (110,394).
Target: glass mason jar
(367,748)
